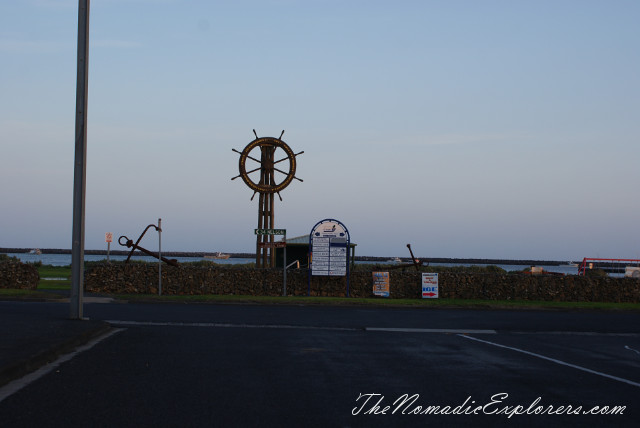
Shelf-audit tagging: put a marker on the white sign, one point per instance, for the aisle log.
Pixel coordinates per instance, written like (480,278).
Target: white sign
(108,237)
(429,285)
(329,248)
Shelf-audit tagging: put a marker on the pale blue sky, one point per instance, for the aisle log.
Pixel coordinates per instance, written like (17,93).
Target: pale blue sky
(493,129)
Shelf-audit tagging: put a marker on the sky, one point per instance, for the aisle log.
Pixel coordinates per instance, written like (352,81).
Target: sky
(467,128)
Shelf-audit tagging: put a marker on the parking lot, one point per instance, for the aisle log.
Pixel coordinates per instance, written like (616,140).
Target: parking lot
(214,365)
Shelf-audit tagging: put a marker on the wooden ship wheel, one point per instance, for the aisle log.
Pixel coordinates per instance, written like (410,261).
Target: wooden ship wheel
(266,176)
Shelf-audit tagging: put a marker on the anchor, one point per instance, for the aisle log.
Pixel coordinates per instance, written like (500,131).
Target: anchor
(129,244)
(414,262)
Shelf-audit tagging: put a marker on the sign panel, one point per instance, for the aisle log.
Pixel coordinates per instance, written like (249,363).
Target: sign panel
(381,284)
(270,231)
(108,237)
(429,285)
(280,244)
(329,248)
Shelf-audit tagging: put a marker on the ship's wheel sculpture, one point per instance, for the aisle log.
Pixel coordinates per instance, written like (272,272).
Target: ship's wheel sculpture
(266,176)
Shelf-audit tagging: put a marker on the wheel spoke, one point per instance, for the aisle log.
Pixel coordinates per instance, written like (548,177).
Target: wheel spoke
(280,171)
(283,159)
(253,170)
(253,159)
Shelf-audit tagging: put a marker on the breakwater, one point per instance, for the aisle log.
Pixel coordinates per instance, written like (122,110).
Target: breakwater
(251,256)
(190,280)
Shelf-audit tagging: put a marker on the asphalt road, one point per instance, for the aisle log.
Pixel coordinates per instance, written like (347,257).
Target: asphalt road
(236,365)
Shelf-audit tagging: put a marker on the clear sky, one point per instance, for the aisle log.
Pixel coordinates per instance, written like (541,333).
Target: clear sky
(477,128)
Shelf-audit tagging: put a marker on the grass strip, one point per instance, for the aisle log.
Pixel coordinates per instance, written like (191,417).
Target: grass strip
(48,271)
(19,294)
(345,301)
(348,301)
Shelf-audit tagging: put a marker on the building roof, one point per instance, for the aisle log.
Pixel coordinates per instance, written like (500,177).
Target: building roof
(303,240)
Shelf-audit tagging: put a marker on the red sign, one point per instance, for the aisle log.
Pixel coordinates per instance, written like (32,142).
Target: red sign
(108,237)
(272,244)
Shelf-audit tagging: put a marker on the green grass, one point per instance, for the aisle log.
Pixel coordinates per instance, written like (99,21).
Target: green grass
(48,271)
(421,303)
(343,301)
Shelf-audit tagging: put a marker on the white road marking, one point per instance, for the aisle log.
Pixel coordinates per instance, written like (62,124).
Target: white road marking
(631,349)
(226,325)
(577,333)
(619,379)
(301,327)
(90,299)
(18,384)
(431,330)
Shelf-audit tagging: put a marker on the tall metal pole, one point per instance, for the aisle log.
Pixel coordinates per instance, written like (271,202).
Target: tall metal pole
(80,172)
(159,257)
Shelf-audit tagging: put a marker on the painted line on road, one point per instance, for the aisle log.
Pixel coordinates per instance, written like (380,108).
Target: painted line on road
(431,330)
(631,349)
(553,360)
(577,333)
(18,384)
(297,327)
(225,325)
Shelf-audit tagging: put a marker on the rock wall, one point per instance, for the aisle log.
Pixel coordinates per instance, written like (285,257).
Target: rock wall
(18,275)
(143,278)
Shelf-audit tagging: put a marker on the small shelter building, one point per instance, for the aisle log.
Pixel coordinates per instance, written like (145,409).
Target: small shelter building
(298,249)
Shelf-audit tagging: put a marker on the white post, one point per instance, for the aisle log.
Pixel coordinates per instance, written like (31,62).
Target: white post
(159,257)
(284,264)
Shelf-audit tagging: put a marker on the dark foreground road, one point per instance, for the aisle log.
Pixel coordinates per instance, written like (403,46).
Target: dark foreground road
(211,366)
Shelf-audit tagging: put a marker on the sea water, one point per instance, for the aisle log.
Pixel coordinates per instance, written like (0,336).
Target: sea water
(65,260)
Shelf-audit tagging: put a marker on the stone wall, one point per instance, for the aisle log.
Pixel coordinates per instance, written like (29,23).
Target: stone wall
(143,278)
(18,275)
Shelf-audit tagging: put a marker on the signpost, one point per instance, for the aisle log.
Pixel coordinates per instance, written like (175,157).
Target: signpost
(329,245)
(274,245)
(429,285)
(280,244)
(108,238)
(270,231)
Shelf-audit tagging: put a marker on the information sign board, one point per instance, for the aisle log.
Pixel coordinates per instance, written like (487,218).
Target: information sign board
(329,248)
(429,285)
(329,245)
(108,237)
(381,284)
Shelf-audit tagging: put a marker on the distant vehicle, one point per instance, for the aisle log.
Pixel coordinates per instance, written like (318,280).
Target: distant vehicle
(35,251)
(395,260)
(217,256)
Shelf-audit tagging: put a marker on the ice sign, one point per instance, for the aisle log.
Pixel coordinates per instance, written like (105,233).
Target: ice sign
(429,285)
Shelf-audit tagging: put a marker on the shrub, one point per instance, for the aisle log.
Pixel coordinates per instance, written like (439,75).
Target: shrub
(6,258)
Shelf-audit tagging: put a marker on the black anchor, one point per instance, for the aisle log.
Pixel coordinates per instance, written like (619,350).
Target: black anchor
(129,244)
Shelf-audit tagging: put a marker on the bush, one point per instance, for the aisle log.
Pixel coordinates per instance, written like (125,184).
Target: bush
(5,258)
(596,273)
(492,269)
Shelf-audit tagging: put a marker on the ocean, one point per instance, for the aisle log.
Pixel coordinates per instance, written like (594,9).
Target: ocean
(65,260)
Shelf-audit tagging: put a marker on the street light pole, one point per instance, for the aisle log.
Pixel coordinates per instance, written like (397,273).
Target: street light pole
(79,171)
